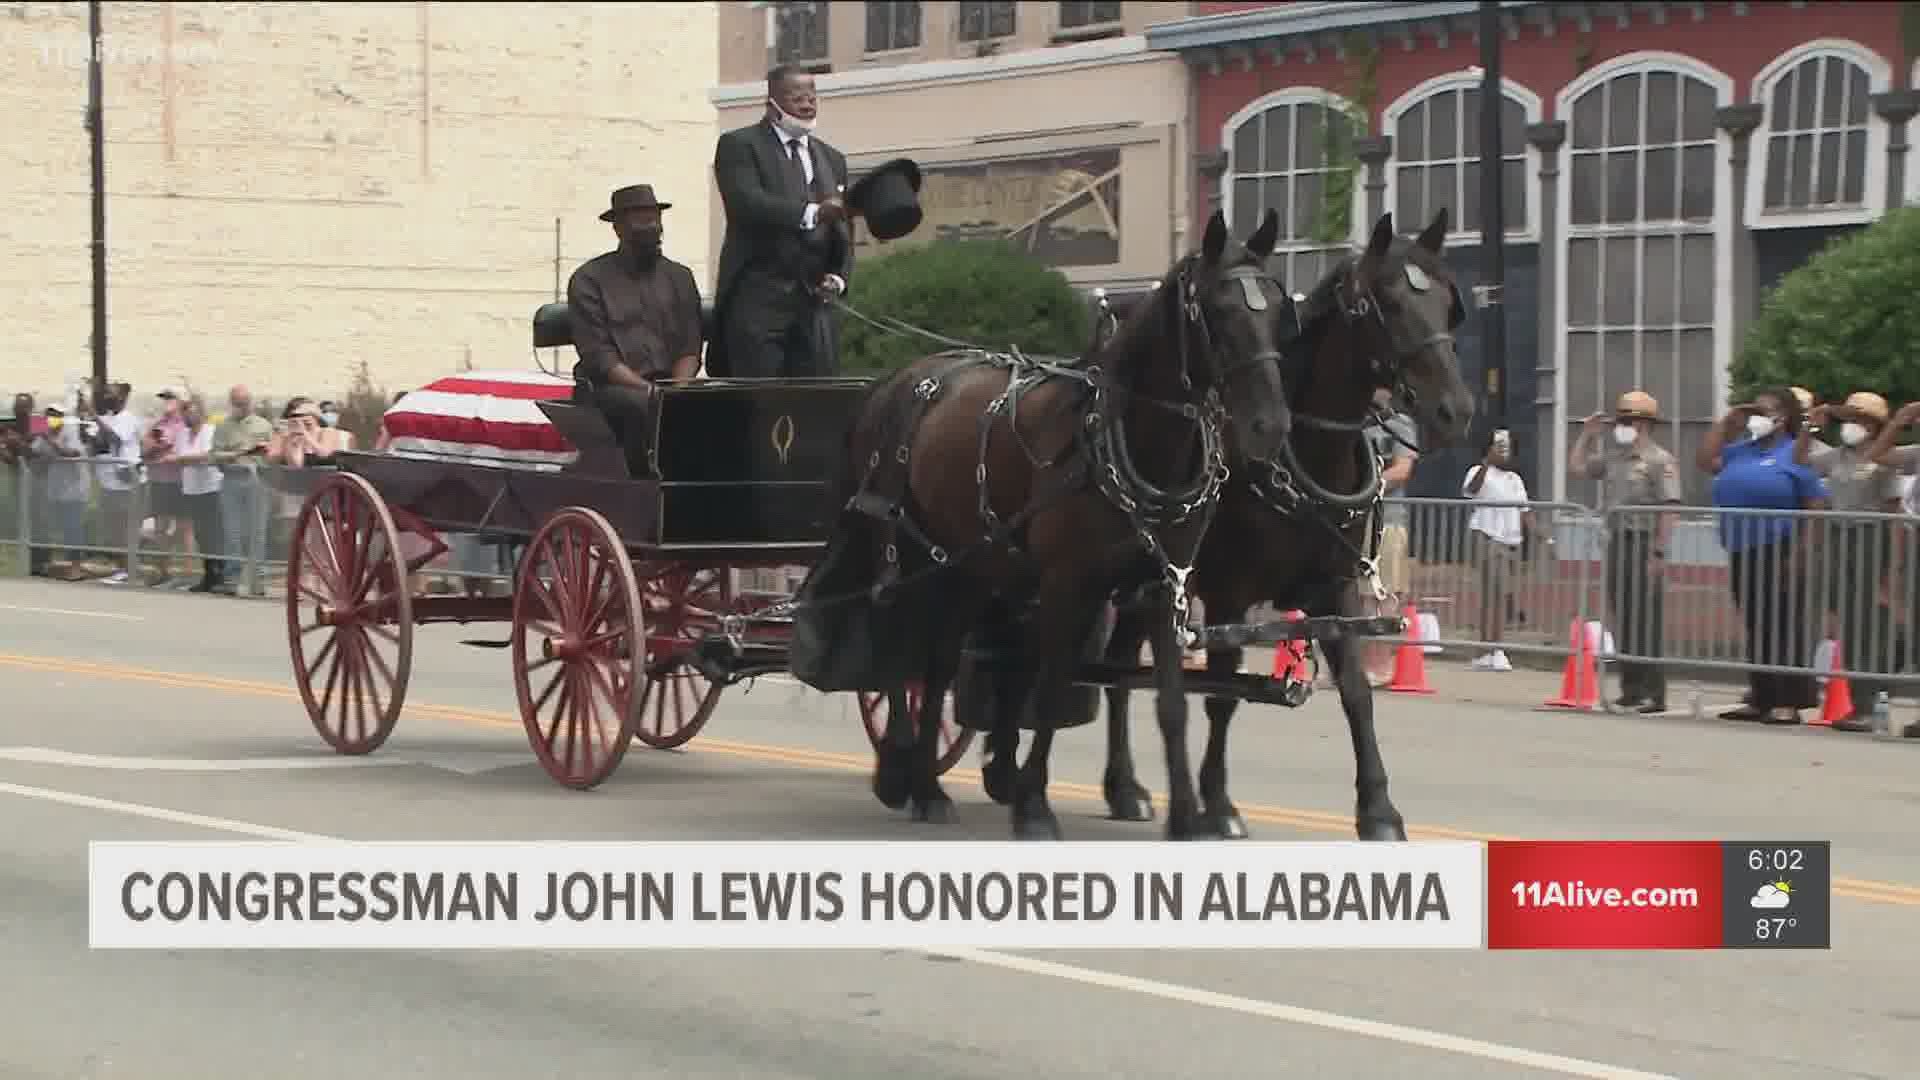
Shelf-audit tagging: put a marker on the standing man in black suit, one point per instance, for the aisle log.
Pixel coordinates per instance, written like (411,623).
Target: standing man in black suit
(787,246)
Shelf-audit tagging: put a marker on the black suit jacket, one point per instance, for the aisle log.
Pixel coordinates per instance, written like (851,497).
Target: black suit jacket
(764,207)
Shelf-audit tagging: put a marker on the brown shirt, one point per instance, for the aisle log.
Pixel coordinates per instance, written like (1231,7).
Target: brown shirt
(1644,474)
(622,312)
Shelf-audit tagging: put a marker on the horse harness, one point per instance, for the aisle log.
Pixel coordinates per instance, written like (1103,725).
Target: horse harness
(1098,454)
(1276,487)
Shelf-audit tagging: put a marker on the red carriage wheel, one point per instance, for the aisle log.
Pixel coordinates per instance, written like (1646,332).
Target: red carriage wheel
(683,605)
(577,628)
(346,584)
(954,739)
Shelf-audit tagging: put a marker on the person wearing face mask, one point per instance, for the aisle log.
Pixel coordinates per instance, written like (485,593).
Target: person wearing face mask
(1857,553)
(635,319)
(787,246)
(1634,470)
(1750,454)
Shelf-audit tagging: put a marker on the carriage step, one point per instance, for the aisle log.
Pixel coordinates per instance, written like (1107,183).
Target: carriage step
(482,643)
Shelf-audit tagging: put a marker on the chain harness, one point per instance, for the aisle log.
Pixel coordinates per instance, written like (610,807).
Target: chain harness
(1274,483)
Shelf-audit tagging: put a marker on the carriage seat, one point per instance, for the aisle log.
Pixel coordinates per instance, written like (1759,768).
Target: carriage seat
(553,324)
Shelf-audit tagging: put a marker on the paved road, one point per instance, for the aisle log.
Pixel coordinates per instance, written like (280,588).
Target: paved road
(99,675)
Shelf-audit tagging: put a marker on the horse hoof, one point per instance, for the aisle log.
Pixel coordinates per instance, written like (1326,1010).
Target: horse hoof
(1130,808)
(938,811)
(1036,829)
(1227,826)
(1382,830)
(891,788)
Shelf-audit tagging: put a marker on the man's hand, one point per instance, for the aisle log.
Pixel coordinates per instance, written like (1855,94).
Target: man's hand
(831,285)
(832,209)
(1594,424)
(1819,416)
(1908,414)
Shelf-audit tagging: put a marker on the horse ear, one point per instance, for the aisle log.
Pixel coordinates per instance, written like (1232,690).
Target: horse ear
(1215,244)
(1382,237)
(1435,235)
(1263,239)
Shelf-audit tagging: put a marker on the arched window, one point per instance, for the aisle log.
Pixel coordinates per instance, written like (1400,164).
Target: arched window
(1436,155)
(1286,150)
(1641,285)
(1819,145)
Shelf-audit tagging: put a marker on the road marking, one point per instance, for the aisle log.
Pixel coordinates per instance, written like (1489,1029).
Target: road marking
(71,611)
(466,763)
(1313,821)
(1166,991)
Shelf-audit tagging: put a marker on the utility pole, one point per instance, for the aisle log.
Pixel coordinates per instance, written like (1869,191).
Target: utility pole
(96,130)
(1493,218)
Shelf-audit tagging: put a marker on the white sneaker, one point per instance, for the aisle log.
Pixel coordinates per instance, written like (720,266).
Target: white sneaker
(1482,663)
(1499,661)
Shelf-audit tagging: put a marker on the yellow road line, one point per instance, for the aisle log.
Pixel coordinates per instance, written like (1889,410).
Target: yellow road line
(1315,821)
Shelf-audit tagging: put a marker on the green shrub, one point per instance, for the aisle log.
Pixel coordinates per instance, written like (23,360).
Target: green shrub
(984,292)
(1849,319)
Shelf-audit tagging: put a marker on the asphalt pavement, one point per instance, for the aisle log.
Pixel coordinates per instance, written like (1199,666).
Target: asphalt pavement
(137,715)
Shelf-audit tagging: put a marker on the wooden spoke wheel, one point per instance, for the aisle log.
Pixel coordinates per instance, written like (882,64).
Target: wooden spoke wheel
(577,628)
(349,616)
(683,604)
(954,739)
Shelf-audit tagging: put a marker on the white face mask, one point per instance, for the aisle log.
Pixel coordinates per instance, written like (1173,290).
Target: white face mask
(1853,434)
(1625,434)
(1759,426)
(330,418)
(792,125)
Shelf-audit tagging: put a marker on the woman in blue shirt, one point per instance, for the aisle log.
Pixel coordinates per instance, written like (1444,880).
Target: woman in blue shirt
(1750,454)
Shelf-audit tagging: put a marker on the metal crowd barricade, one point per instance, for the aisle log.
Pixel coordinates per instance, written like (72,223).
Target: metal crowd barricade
(1482,594)
(1772,595)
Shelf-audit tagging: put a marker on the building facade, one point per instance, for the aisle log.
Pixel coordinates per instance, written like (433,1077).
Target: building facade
(1050,124)
(1662,163)
(293,189)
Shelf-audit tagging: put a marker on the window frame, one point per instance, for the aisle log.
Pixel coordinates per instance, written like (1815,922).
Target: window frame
(986,30)
(1060,16)
(819,9)
(1760,143)
(1466,79)
(1258,107)
(893,26)
(1721,228)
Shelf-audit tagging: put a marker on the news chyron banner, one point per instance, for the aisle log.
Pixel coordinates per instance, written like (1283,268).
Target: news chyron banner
(802,895)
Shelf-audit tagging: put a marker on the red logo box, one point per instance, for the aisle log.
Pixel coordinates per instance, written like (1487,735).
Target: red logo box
(1578,894)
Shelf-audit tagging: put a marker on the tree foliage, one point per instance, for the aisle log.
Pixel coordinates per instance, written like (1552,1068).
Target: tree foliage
(981,291)
(1849,319)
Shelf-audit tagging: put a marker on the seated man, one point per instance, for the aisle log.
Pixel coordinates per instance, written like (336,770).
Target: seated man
(636,321)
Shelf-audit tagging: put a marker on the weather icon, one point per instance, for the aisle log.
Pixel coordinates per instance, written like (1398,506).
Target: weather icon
(1774,895)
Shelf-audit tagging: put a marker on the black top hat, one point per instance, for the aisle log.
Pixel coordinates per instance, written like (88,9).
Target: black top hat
(635,197)
(889,198)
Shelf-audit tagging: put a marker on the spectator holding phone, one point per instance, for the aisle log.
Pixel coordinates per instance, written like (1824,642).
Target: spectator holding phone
(240,445)
(1498,530)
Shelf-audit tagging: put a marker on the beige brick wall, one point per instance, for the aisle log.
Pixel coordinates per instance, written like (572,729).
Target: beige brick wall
(294,187)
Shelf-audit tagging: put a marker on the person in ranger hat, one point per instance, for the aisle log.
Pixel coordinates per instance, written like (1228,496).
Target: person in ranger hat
(1634,470)
(787,246)
(635,319)
(1856,553)
(1903,580)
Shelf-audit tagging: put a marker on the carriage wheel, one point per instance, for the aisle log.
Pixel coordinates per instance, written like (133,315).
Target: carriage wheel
(954,739)
(577,627)
(345,582)
(683,604)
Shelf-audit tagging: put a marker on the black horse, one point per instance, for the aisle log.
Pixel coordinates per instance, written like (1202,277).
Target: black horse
(1294,530)
(980,480)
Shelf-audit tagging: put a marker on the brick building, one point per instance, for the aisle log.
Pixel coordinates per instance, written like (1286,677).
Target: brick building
(1050,123)
(296,187)
(1664,162)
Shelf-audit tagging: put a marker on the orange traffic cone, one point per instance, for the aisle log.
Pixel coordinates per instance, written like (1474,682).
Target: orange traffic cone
(1410,661)
(1290,657)
(1580,682)
(1837,701)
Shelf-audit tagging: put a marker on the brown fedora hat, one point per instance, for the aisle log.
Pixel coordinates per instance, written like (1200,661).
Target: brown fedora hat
(634,197)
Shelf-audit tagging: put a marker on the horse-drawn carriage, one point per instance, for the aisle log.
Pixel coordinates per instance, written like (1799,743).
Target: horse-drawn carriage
(626,619)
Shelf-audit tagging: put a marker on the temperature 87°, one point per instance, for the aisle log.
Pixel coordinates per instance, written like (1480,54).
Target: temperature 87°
(1768,929)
